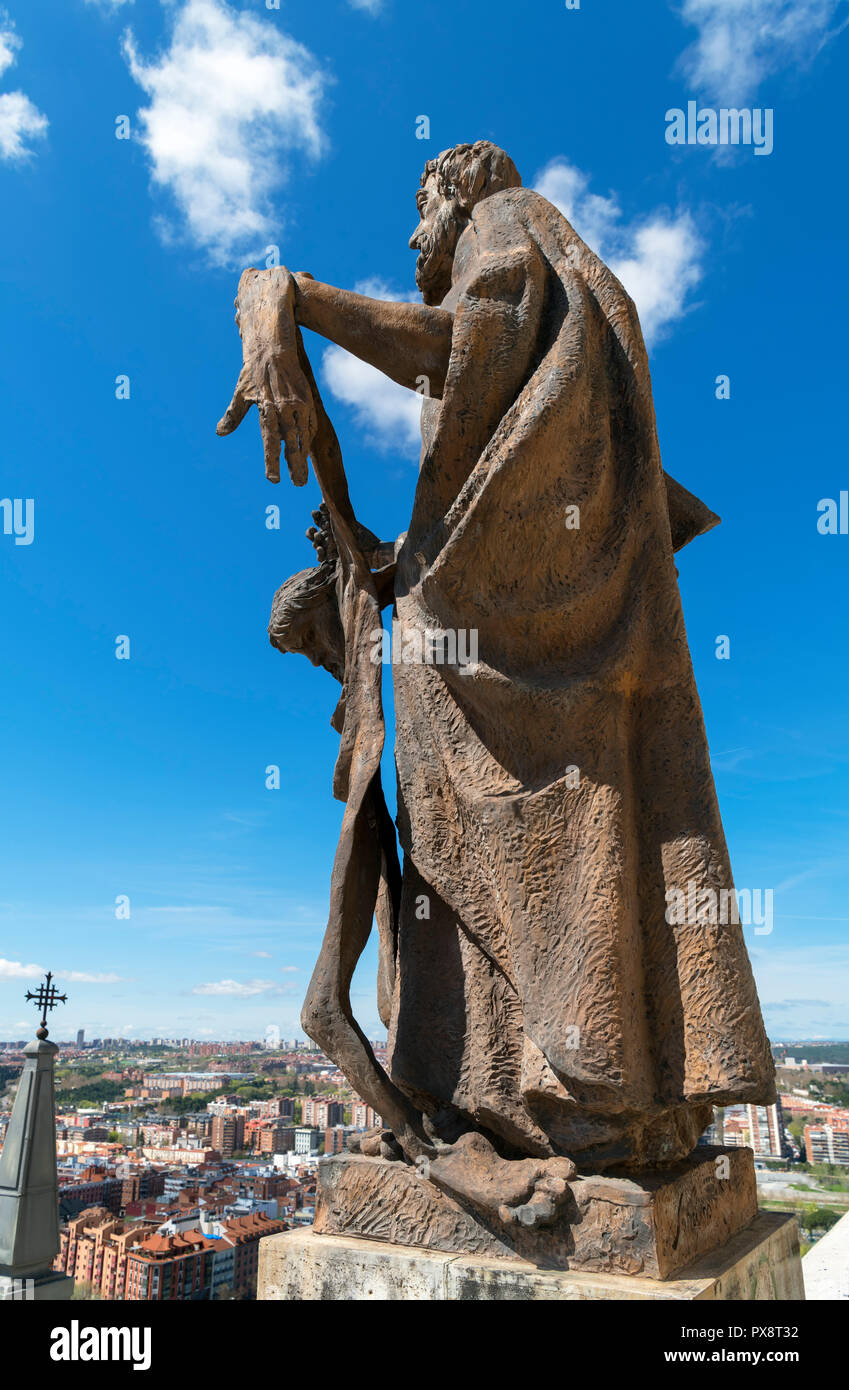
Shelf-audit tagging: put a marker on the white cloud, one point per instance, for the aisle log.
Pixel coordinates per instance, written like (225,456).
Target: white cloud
(237,989)
(372,6)
(741,42)
(82,977)
(9,42)
(263,955)
(109,4)
(20,119)
(658,259)
(593,216)
(15,970)
(375,287)
(661,269)
(228,99)
(389,413)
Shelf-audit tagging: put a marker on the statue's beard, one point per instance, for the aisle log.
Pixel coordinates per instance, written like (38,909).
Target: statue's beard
(436,255)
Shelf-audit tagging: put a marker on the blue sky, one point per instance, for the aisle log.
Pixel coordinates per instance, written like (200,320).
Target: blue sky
(297,127)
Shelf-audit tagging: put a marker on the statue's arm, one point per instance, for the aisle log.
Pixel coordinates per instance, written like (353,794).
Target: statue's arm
(404,341)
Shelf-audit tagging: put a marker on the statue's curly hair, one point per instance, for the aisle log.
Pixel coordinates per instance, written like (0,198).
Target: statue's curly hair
(469,173)
(310,590)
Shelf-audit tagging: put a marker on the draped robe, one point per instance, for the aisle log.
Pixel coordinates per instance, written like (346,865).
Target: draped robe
(551,795)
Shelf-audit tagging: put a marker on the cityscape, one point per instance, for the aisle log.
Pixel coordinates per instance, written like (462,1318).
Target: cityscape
(176,1157)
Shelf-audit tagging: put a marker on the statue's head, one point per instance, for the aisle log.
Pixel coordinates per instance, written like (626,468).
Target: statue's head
(305,618)
(451,187)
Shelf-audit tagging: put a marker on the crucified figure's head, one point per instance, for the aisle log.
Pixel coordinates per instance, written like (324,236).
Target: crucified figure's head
(451,186)
(305,618)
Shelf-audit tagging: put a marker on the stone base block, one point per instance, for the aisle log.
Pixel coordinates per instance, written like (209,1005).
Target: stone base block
(761,1262)
(649,1225)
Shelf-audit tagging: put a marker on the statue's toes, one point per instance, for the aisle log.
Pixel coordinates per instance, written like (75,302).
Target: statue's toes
(537,1212)
(562,1168)
(379,1143)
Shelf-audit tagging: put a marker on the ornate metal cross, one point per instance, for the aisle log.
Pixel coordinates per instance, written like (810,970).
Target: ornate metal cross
(45,998)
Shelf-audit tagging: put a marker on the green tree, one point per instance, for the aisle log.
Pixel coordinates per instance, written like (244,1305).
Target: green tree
(86,1292)
(822,1219)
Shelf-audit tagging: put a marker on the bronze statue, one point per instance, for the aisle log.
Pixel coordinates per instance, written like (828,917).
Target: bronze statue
(545,1010)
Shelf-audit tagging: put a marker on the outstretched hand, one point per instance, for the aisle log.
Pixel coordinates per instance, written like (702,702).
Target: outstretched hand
(272,377)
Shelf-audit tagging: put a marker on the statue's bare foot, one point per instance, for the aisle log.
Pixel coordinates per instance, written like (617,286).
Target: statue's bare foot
(528,1190)
(375,1143)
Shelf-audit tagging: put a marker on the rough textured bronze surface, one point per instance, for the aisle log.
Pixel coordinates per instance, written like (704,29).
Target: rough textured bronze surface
(542,1005)
(650,1226)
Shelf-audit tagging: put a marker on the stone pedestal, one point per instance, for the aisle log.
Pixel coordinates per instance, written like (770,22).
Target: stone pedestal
(649,1225)
(761,1262)
(384,1231)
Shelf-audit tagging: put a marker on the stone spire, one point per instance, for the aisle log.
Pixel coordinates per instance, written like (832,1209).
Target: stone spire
(29,1186)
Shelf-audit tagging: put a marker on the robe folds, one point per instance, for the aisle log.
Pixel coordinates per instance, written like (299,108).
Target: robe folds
(552,793)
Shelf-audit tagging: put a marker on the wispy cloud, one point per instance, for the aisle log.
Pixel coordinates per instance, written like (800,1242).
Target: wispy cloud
(803,990)
(742,42)
(814,871)
(729,759)
(371,6)
(388,413)
(109,5)
(10,43)
(238,989)
(658,258)
(20,119)
(194,909)
(230,97)
(16,970)
(83,977)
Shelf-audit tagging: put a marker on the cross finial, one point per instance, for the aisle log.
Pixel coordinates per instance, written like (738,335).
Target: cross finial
(46,997)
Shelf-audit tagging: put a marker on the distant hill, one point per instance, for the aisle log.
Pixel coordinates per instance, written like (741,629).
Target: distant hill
(812,1051)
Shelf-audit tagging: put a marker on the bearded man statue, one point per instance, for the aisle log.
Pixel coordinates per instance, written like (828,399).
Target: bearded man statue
(546,1009)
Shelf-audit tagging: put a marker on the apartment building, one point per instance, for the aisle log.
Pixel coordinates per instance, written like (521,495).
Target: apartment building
(228,1133)
(189,1266)
(93,1249)
(827,1142)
